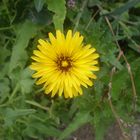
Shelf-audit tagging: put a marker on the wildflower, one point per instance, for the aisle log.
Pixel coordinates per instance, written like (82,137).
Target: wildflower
(64,64)
(71,3)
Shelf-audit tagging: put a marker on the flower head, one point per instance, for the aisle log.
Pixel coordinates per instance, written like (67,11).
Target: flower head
(63,64)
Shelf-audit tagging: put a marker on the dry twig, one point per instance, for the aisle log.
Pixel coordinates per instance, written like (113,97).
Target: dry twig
(110,83)
(128,66)
(118,119)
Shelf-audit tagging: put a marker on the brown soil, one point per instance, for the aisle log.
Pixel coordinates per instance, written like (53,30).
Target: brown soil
(87,133)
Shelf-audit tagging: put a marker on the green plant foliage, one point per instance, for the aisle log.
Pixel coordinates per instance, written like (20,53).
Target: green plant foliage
(125,7)
(79,120)
(26,31)
(26,112)
(58,7)
(39,4)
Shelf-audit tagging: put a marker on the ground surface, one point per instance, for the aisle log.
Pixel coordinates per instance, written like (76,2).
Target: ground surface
(86,133)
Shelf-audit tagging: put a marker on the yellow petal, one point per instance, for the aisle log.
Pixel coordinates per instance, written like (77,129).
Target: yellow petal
(52,39)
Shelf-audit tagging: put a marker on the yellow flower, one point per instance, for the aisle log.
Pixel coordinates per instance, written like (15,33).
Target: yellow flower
(64,64)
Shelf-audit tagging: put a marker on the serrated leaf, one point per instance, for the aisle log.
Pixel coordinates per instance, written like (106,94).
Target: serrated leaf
(59,9)
(10,115)
(19,55)
(34,129)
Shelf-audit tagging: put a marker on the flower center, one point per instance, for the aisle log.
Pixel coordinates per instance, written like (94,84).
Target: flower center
(64,63)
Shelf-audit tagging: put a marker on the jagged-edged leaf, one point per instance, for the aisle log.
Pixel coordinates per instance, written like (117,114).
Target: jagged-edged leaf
(10,115)
(25,32)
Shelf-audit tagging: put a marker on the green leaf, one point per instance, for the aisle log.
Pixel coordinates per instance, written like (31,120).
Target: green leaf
(3,54)
(26,31)
(113,60)
(101,121)
(11,115)
(79,120)
(26,83)
(36,104)
(130,32)
(92,3)
(59,9)
(4,89)
(23,78)
(125,7)
(136,71)
(39,4)
(122,79)
(119,82)
(34,129)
